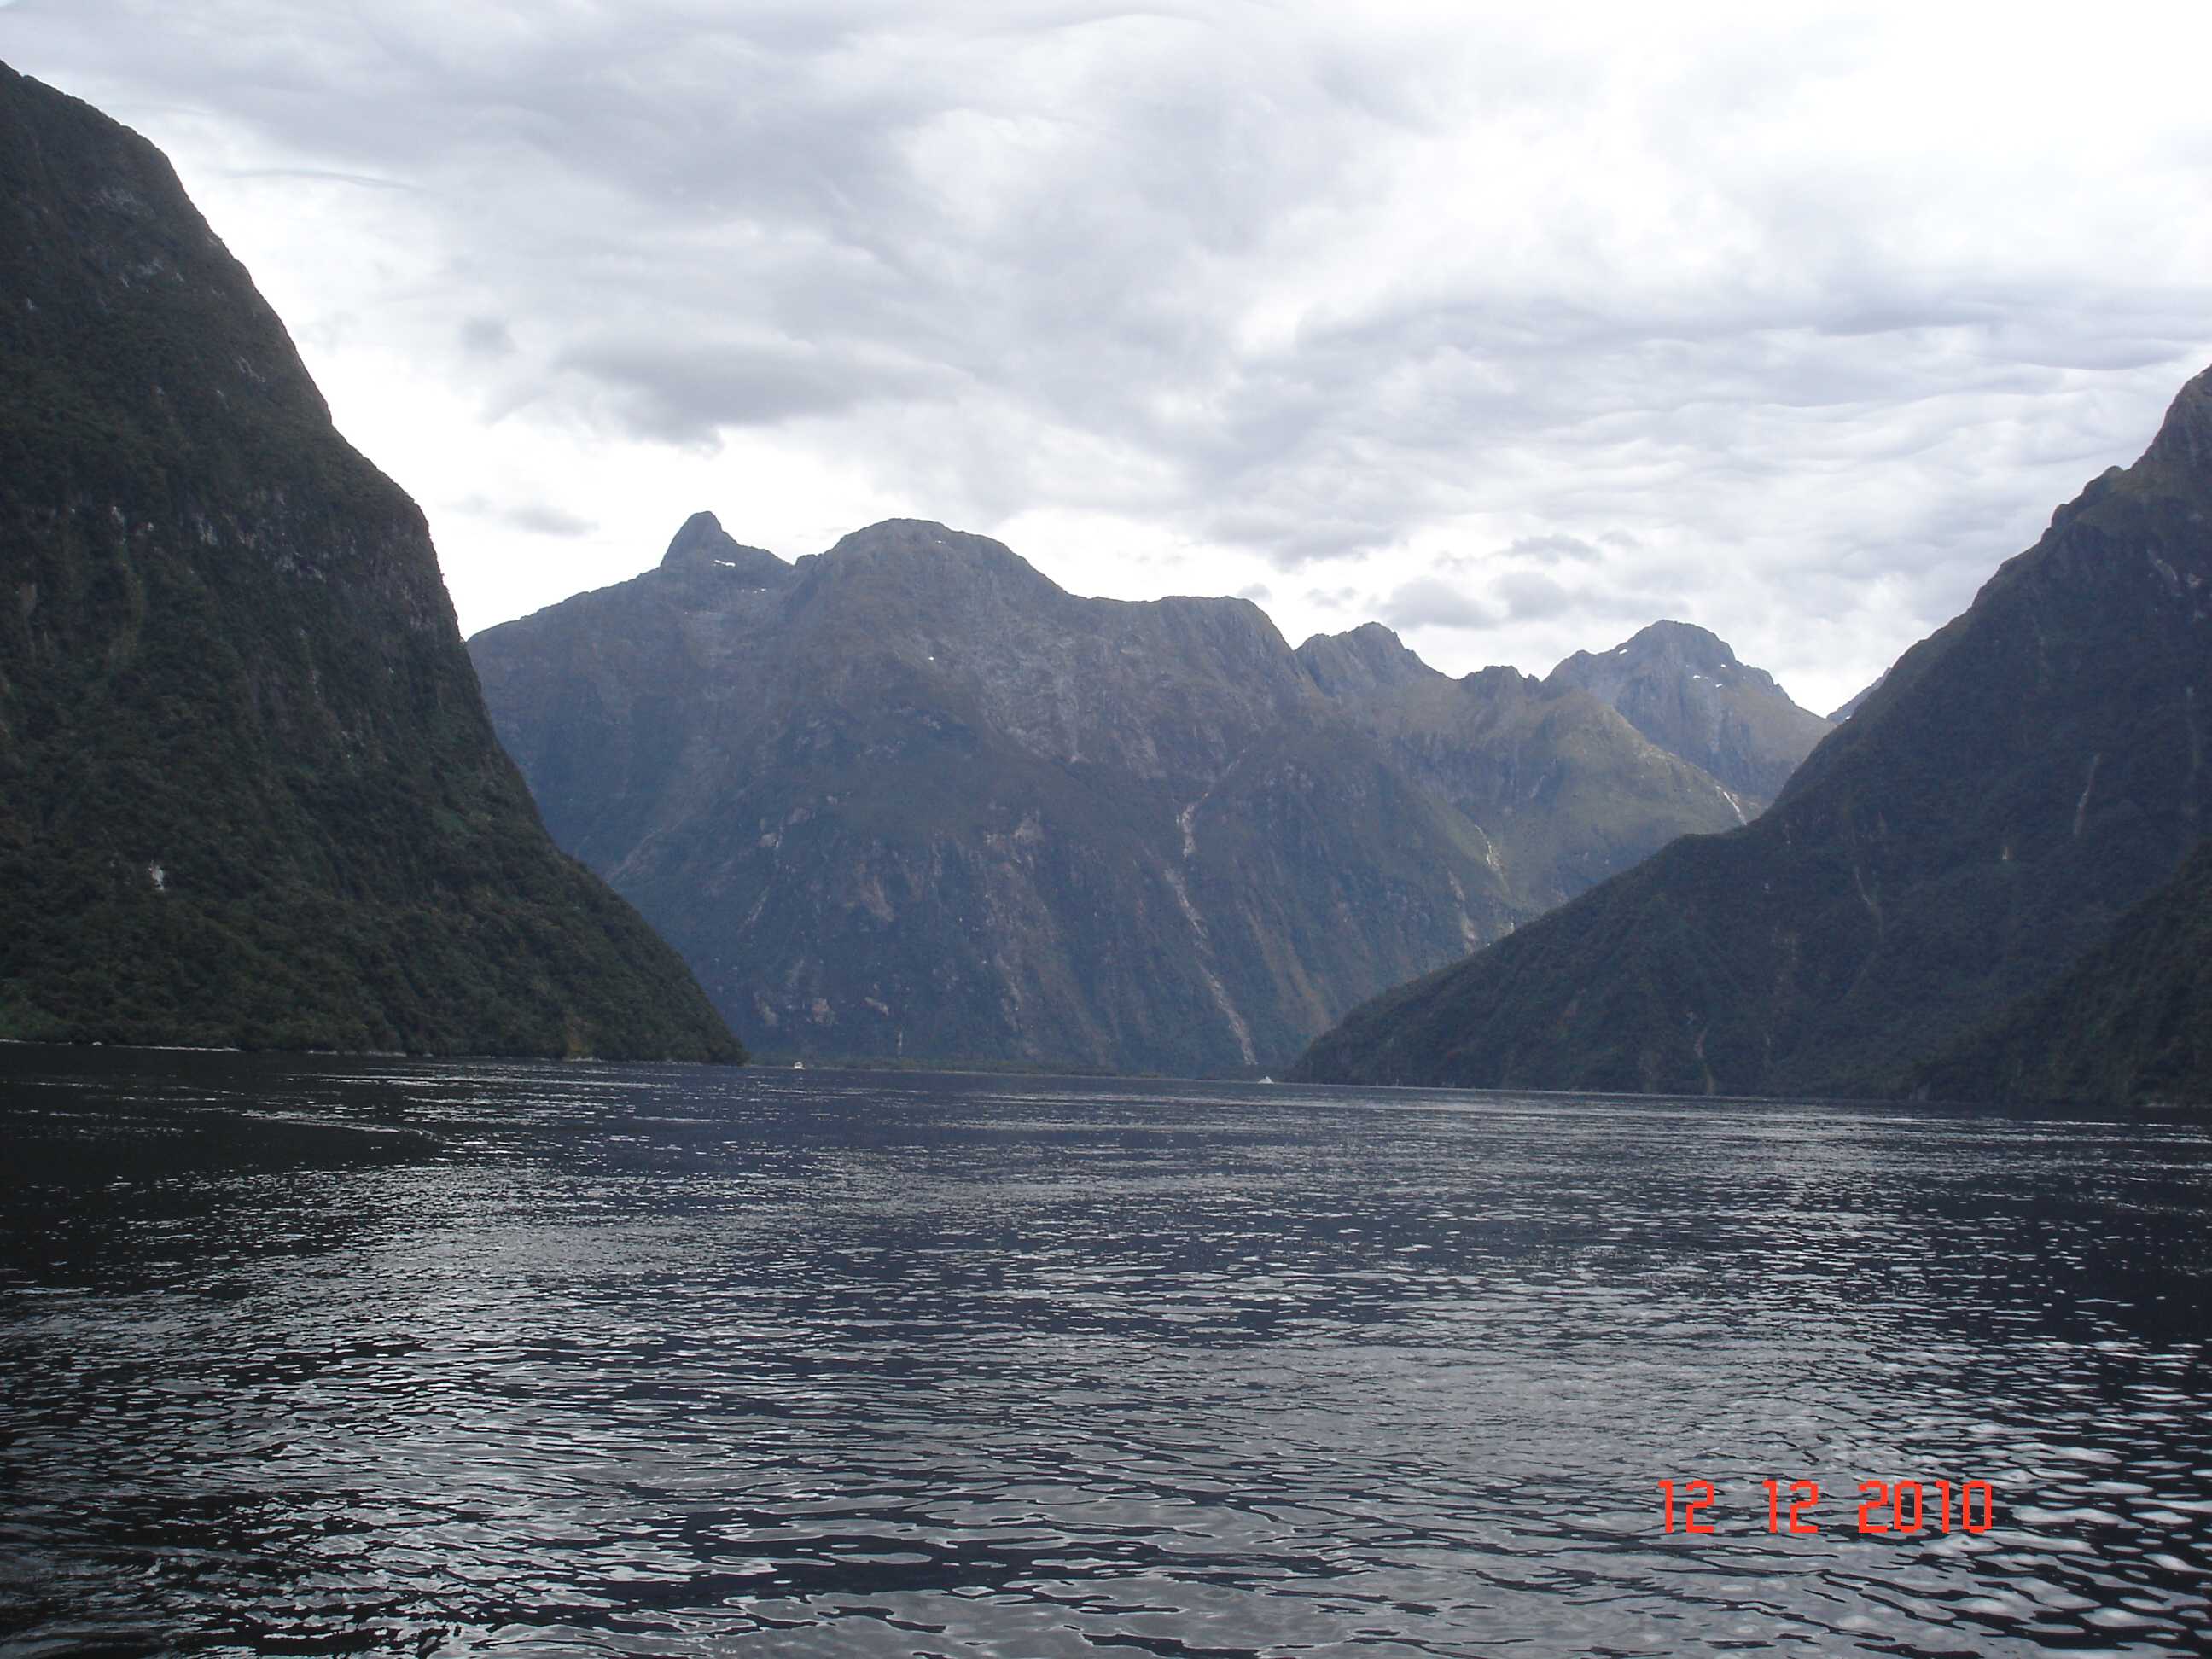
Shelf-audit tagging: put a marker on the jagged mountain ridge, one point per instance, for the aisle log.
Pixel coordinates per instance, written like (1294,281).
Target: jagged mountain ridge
(1683,688)
(2016,781)
(909,798)
(1567,800)
(248,793)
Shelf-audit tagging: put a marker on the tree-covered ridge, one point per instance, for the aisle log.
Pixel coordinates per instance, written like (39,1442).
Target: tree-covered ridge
(2130,1022)
(2017,781)
(248,793)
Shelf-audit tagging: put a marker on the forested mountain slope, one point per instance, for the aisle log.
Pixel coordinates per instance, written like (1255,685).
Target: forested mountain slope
(248,792)
(2131,1021)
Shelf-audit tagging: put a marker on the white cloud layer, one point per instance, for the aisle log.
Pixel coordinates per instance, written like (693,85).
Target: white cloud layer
(1513,328)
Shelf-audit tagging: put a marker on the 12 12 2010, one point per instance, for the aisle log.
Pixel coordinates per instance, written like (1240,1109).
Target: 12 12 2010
(1904,1507)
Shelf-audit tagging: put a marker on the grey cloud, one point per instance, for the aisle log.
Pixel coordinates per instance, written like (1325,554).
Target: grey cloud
(534,516)
(549,521)
(1017,259)
(1532,596)
(1529,593)
(486,336)
(331,174)
(686,391)
(1555,545)
(1431,602)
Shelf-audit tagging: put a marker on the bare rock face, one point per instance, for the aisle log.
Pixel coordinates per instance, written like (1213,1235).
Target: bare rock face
(1683,688)
(248,793)
(909,798)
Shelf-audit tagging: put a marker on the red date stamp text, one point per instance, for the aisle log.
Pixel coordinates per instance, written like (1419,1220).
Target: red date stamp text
(1891,1506)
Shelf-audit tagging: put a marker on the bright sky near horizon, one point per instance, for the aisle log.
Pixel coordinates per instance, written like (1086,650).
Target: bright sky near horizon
(1513,328)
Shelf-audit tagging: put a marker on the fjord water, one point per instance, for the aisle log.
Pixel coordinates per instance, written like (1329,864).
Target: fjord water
(370,1356)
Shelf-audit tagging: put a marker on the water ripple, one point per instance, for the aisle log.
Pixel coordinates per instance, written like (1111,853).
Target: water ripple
(348,1357)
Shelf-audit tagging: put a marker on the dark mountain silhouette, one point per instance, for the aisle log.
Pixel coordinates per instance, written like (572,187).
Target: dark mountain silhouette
(248,793)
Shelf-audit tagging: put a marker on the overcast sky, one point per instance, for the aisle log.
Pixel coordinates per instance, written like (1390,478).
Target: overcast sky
(1515,328)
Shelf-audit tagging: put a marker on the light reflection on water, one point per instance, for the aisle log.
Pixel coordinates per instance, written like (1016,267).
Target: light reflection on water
(654,1360)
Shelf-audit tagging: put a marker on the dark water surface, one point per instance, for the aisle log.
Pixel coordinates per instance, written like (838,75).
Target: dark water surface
(649,1360)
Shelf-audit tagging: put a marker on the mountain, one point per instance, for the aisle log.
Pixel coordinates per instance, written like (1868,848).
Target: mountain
(1683,688)
(1850,706)
(909,799)
(248,792)
(2017,781)
(2131,1021)
(1566,795)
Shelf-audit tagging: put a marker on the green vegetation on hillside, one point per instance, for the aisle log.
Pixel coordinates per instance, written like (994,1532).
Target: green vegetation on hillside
(2132,1022)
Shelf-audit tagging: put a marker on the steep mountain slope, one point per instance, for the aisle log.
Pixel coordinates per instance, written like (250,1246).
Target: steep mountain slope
(1567,791)
(248,793)
(2019,778)
(909,798)
(1683,688)
(1851,705)
(2130,1021)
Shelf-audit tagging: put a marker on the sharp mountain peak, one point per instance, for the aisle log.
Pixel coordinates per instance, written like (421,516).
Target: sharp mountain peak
(702,545)
(1366,659)
(2183,442)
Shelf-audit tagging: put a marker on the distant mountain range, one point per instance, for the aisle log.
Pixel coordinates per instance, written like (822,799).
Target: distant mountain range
(1683,688)
(907,799)
(248,793)
(1906,912)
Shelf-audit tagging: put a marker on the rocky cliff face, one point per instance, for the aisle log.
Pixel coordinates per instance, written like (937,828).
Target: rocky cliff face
(909,798)
(1683,688)
(248,793)
(2015,782)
